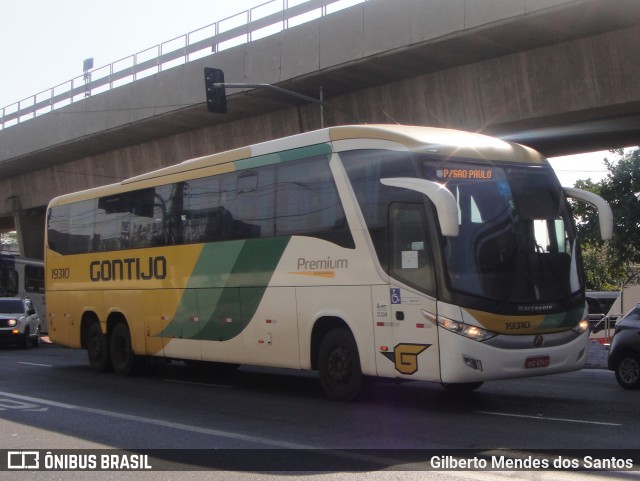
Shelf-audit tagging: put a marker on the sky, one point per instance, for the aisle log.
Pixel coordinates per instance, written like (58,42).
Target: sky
(589,165)
(43,43)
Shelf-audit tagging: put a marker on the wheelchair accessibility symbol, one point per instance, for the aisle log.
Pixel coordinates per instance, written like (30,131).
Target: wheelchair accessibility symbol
(395,296)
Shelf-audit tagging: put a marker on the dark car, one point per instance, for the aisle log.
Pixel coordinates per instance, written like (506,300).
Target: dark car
(19,322)
(624,353)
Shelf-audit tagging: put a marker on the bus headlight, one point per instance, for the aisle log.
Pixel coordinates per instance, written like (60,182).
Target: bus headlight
(472,332)
(582,327)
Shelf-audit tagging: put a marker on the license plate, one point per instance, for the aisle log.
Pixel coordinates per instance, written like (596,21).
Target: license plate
(538,361)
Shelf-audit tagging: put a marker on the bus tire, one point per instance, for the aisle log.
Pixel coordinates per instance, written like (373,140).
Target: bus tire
(124,361)
(339,365)
(97,348)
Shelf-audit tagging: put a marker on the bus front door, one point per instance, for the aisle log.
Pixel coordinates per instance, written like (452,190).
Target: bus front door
(412,310)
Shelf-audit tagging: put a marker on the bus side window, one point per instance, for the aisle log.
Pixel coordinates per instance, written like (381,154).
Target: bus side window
(113,223)
(11,283)
(33,278)
(248,198)
(308,204)
(8,282)
(58,234)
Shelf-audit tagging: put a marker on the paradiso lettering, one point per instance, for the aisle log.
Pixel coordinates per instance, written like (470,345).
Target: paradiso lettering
(130,269)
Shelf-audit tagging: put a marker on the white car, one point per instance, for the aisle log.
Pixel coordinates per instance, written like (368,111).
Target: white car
(19,322)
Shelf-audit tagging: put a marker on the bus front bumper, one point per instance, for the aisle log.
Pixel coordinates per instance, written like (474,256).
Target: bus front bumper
(507,357)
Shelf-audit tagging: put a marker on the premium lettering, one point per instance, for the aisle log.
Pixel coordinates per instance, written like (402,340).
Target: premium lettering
(129,269)
(321,264)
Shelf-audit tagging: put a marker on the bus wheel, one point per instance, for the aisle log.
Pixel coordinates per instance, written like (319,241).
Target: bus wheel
(461,387)
(97,348)
(124,361)
(339,366)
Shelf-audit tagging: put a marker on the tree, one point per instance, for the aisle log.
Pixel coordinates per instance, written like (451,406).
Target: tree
(621,188)
(600,272)
(8,240)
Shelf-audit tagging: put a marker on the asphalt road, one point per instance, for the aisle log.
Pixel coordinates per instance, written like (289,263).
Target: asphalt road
(279,419)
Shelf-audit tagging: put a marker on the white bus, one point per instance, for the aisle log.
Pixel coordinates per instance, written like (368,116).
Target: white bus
(24,277)
(392,251)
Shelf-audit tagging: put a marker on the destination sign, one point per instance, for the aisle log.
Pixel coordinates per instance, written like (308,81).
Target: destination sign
(468,173)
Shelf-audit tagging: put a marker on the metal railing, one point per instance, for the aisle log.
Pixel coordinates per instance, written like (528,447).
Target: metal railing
(261,21)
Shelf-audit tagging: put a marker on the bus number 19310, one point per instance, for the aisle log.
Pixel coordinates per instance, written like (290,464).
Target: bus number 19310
(518,325)
(62,273)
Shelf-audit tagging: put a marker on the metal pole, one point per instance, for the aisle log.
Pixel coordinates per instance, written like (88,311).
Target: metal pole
(321,108)
(296,95)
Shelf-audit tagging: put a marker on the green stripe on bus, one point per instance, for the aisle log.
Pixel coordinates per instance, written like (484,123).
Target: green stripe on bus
(225,289)
(285,156)
(564,319)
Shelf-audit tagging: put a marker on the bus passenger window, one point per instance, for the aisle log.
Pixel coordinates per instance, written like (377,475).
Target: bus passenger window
(34,278)
(307,203)
(8,282)
(112,223)
(58,234)
(248,199)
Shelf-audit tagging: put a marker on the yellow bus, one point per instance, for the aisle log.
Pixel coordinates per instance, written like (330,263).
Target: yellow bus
(390,251)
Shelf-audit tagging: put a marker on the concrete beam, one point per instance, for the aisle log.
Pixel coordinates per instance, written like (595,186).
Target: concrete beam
(512,67)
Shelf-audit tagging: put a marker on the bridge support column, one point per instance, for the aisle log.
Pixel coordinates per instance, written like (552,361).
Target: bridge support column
(30,225)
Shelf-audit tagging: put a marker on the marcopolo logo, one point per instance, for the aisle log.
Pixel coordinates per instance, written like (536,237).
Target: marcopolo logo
(129,269)
(535,309)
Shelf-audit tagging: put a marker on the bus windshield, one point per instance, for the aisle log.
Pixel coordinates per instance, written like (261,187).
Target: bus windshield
(516,239)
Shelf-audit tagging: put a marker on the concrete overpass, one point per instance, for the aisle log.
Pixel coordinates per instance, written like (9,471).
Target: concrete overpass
(559,75)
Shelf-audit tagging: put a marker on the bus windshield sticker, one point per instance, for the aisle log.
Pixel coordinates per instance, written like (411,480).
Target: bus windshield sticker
(409,259)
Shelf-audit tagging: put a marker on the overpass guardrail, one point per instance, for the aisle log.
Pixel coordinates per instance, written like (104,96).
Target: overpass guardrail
(260,21)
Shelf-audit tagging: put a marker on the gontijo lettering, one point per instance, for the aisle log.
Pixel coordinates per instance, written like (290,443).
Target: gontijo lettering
(128,269)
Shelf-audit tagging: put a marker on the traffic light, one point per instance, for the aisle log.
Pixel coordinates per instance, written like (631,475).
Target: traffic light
(216,95)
